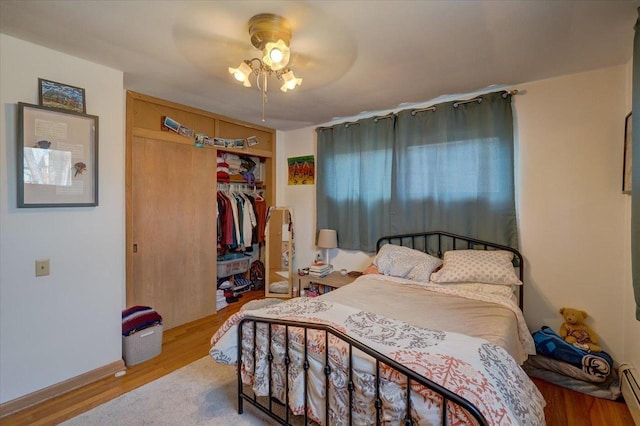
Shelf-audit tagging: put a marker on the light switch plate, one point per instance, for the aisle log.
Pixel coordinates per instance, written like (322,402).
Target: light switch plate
(42,267)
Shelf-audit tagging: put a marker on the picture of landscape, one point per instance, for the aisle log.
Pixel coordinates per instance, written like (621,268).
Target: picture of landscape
(58,95)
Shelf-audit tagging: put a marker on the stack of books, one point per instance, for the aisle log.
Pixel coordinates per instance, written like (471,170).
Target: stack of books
(319,270)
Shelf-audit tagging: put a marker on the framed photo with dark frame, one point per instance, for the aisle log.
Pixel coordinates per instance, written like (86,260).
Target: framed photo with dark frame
(626,164)
(57,157)
(60,95)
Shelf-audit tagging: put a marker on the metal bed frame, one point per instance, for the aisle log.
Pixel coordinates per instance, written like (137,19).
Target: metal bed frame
(435,243)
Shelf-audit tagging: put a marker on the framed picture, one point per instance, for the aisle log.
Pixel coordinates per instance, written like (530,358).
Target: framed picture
(626,165)
(57,157)
(301,170)
(219,142)
(170,124)
(63,96)
(185,131)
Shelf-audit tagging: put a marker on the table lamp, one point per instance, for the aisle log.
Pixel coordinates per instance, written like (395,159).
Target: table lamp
(327,239)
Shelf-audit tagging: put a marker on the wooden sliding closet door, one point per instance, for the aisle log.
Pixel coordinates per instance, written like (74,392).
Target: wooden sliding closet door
(174,229)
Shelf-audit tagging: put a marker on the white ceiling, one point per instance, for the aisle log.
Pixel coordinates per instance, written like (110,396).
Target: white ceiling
(353,56)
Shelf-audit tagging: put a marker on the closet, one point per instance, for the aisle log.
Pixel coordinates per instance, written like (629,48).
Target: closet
(171,196)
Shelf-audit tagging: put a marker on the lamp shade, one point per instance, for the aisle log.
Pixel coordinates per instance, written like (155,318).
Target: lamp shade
(290,81)
(276,55)
(242,73)
(327,238)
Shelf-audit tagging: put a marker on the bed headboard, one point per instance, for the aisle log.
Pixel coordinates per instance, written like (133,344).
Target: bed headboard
(436,243)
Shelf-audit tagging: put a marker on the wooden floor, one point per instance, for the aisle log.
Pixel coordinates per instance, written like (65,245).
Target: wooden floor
(190,342)
(567,407)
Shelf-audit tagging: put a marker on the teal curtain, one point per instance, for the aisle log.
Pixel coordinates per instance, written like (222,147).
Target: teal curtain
(448,169)
(635,173)
(453,170)
(352,182)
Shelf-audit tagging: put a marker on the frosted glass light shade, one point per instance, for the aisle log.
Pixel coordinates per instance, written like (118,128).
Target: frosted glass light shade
(290,81)
(276,55)
(242,73)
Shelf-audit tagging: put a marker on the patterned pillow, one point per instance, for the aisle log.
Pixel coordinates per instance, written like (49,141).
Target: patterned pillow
(404,262)
(480,266)
(506,291)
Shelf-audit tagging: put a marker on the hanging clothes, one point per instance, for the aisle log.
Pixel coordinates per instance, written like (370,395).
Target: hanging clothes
(225,220)
(240,219)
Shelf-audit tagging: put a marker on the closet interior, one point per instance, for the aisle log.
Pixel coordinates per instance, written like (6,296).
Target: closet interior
(173,191)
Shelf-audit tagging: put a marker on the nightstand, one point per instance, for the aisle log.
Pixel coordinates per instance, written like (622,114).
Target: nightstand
(331,282)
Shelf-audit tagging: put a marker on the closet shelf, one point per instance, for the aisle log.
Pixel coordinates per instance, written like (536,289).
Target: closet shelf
(172,137)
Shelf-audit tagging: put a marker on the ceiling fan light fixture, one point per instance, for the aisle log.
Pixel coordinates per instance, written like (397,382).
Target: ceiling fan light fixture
(242,73)
(270,34)
(290,81)
(276,55)
(268,28)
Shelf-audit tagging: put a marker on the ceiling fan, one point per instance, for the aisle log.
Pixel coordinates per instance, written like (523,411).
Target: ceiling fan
(215,36)
(271,34)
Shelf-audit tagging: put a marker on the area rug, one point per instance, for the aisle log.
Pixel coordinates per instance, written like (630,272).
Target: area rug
(202,393)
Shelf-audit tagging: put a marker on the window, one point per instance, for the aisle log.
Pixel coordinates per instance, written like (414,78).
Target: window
(450,170)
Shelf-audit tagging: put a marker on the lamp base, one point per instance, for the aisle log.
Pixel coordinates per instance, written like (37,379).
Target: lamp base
(326,257)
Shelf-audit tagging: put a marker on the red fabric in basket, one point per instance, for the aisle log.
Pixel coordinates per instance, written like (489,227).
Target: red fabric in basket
(138,318)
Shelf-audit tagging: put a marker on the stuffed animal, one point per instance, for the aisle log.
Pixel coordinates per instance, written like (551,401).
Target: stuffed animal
(576,332)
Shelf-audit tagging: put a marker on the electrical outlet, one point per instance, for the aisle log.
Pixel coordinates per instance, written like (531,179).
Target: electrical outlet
(42,267)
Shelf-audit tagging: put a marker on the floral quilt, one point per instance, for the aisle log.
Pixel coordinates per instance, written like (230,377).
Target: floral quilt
(482,372)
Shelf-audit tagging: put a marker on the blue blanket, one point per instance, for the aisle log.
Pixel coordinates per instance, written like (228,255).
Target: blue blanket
(549,343)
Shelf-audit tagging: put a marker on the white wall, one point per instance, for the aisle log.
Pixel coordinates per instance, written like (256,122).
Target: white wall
(631,325)
(300,195)
(302,200)
(571,206)
(572,215)
(68,323)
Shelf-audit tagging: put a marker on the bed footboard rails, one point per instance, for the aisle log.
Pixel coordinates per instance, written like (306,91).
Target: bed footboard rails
(279,410)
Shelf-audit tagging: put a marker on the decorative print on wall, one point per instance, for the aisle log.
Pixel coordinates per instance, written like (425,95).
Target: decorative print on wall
(59,95)
(301,170)
(57,157)
(626,165)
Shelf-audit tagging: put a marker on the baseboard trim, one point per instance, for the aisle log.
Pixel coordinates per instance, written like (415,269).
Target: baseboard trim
(58,389)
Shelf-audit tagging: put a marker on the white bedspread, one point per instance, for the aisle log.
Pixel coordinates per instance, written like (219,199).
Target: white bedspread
(480,371)
(441,307)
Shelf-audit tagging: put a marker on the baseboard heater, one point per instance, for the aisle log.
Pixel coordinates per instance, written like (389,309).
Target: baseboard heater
(630,381)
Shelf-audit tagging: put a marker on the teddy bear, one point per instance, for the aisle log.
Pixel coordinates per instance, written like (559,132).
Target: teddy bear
(576,332)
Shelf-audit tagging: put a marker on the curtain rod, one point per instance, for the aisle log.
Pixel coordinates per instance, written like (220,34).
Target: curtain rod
(429,108)
(457,103)
(417,110)
(382,117)
(479,98)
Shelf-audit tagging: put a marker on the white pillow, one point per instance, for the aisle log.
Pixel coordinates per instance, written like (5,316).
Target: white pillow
(477,266)
(404,262)
(506,291)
